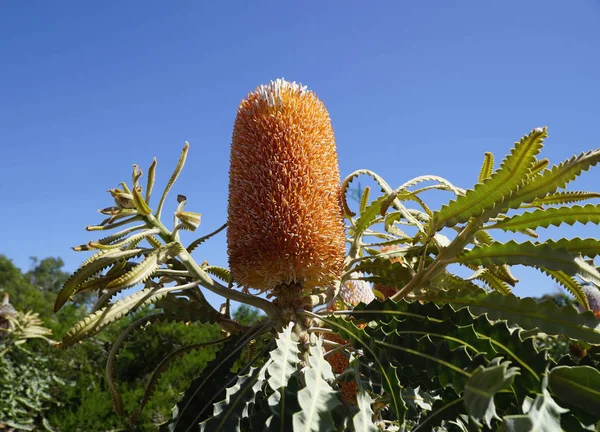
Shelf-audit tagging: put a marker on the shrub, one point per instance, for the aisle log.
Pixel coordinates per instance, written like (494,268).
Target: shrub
(443,352)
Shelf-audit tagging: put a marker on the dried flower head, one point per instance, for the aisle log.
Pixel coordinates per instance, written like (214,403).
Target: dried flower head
(355,291)
(285,220)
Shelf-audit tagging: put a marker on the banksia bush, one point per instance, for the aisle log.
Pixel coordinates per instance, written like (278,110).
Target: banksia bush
(442,352)
(285,221)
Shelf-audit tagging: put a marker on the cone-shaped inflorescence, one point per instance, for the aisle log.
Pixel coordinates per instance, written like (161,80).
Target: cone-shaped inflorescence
(285,219)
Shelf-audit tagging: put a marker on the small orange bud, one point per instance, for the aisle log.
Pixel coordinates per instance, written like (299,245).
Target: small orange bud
(285,219)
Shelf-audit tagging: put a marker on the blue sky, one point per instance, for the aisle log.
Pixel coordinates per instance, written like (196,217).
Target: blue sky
(88,88)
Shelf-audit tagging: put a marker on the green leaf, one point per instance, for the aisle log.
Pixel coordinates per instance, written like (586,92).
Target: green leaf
(364,200)
(564,197)
(140,204)
(193,245)
(577,385)
(487,168)
(131,239)
(185,310)
(195,404)
(228,413)
(174,176)
(549,255)
(384,271)
(526,312)
(363,419)
(89,268)
(97,321)
(570,285)
(220,272)
(549,181)
(317,399)
(190,220)
(543,416)
(552,216)
(483,385)
(486,196)
(151,178)
(389,378)
(284,363)
(368,217)
(146,268)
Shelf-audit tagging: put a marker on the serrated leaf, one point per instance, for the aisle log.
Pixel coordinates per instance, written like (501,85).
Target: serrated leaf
(564,197)
(146,268)
(552,216)
(570,285)
(186,310)
(483,385)
(366,218)
(389,378)
(228,412)
(136,238)
(363,419)
(202,239)
(364,200)
(577,385)
(190,220)
(526,312)
(317,399)
(284,363)
(487,168)
(92,266)
(487,196)
(95,322)
(549,255)
(151,178)
(174,176)
(543,416)
(140,204)
(549,181)
(220,272)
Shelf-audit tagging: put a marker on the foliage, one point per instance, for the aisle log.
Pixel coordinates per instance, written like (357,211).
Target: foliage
(436,351)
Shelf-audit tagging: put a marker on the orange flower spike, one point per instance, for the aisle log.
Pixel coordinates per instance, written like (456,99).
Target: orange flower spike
(285,218)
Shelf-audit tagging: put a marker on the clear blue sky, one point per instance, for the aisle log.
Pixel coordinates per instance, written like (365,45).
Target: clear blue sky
(88,88)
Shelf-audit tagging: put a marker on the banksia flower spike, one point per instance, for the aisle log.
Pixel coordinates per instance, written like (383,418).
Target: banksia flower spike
(285,219)
(354,292)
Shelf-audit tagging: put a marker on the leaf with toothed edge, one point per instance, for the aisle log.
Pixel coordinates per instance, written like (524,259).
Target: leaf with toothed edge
(549,255)
(188,310)
(552,216)
(94,323)
(525,312)
(284,363)
(485,197)
(220,272)
(564,197)
(363,419)
(91,267)
(211,384)
(147,267)
(136,238)
(570,285)
(487,168)
(550,180)
(317,399)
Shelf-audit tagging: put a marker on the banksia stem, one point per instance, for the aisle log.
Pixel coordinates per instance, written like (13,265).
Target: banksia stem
(285,219)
